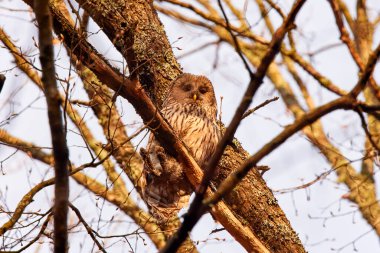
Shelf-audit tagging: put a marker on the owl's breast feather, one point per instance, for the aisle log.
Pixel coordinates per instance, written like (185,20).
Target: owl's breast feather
(195,128)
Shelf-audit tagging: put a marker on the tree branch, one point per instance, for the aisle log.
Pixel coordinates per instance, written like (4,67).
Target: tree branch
(58,135)
(196,209)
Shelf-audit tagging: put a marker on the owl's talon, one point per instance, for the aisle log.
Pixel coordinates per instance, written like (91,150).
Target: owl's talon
(147,162)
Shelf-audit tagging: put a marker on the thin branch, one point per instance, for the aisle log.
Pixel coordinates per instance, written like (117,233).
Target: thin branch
(319,177)
(345,37)
(367,132)
(88,228)
(38,236)
(324,81)
(366,72)
(236,42)
(276,7)
(346,12)
(266,102)
(345,102)
(218,21)
(204,46)
(58,135)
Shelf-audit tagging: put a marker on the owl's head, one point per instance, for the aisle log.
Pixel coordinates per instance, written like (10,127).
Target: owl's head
(195,90)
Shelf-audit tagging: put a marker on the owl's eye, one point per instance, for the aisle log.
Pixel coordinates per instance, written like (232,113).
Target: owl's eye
(203,89)
(186,87)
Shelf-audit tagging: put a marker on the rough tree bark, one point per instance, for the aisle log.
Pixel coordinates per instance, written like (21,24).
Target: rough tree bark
(135,30)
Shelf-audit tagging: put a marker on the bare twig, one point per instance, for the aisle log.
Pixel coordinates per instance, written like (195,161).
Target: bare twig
(38,236)
(236,42)
(204,46)
(319,177)
(126,204)
(266,102)
(367,132)
(345,102)
(88,228)
(324,81)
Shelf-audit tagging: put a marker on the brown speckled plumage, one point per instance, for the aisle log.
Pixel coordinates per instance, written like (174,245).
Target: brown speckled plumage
(191,109)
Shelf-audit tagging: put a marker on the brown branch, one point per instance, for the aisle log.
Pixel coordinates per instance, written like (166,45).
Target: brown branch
(367,132)
(196,209)
(2,81)
(345,102)
(345,37)
(346,12)
(88,228)
(58,135)
(315,133)
(324,81)
(266,102)
(366,72)
(25,201)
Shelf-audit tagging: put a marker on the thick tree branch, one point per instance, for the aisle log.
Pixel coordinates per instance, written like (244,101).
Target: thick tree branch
(196,209)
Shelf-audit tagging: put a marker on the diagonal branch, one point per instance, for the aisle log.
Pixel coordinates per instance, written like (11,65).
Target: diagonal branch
(345,102)
(196,209)
(88,228)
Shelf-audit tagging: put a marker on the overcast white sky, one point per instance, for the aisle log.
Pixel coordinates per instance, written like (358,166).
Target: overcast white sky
(310,211)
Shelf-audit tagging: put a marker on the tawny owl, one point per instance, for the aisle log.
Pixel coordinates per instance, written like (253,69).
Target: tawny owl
(190,109)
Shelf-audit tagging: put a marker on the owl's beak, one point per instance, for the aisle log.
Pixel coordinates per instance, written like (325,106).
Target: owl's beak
(195,97)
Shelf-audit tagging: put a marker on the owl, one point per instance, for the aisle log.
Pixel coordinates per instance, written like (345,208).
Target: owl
(191,110)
